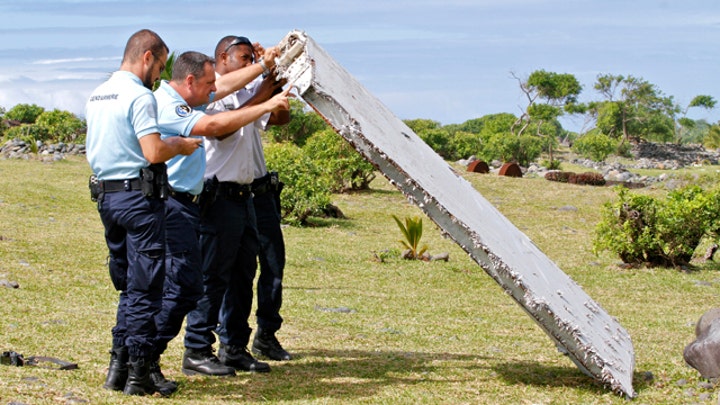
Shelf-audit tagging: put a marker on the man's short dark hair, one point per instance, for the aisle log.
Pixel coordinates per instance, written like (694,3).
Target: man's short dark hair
(231,40)
(142,41)
(190,63)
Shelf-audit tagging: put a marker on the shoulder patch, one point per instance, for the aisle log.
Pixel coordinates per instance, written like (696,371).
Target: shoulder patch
(183,110)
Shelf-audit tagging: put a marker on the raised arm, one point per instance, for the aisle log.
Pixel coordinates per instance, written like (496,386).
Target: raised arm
(234,81)
(227,122)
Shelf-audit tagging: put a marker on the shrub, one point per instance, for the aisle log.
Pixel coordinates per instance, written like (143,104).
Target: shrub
(303,124)
(61,126)
(346,168)
(306,189)
(439,140)
(595,146)
(25,113)
(624,149)
(465,144)
(551,164)
(507,147)
(28,133)
(641,229)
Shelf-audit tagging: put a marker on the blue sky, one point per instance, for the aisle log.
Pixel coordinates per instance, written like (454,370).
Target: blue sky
(448,60)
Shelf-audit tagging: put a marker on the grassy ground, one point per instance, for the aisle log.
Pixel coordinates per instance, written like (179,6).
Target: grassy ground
(362,331)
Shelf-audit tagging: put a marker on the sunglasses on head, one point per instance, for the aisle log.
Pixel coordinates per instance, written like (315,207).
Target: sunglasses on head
(238,41)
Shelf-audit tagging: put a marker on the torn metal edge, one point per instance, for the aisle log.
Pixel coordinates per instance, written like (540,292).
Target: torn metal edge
(297,64)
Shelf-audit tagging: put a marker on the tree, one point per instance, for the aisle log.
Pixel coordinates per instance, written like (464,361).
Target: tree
(712,139)
(549,96)
(683,125)
(633,108)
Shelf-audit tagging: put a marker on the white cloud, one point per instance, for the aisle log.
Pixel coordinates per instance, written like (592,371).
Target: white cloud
(74,60)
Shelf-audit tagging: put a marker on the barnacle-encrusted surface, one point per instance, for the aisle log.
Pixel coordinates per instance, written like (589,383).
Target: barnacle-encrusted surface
(580,328)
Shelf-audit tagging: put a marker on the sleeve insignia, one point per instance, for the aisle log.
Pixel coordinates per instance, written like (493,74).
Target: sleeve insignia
(183,110)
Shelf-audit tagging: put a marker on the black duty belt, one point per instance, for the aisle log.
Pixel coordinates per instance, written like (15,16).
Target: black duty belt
(261,188)
(111,186)
(234,191)
(263,184)
(184,196)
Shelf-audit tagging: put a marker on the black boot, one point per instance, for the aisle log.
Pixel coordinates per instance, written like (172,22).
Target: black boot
(117,370)
(164,386)
(266,344)
(203,361)
(139,382)
(240,358)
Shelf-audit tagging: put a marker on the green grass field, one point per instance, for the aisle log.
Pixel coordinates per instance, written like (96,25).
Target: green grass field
(362,331)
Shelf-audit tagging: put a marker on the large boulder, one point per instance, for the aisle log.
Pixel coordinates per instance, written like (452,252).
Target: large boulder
(703,354)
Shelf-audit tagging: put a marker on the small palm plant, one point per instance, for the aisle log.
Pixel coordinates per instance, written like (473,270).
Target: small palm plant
(412,230)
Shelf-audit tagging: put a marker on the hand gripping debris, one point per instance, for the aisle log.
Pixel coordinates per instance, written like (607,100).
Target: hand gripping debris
(580,328)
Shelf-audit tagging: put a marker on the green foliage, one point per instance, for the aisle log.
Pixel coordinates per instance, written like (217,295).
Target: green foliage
(595,146)
(609,119)
(712,139)
(306,189)
(488,125)
(703,101)
(420,125)
(47,126)
(624,149)
(633,108)
(61,126)
(438,140)
(555,88)
(25,113)
(303,124)
(465,144)
(29,133)
(412,230)
(346,168)
(641,229)
(166,74)
(694,132)
(522,149)
(543,112)
(552,164)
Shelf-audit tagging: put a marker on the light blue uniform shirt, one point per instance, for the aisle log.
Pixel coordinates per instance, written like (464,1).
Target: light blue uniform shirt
(177,118)
(119,112)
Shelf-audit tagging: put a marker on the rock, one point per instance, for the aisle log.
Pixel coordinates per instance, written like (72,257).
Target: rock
(710,252)
(9,284)
(703,354)
(442,256)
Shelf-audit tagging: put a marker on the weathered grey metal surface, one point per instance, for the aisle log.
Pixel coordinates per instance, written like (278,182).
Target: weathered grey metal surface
(593,339)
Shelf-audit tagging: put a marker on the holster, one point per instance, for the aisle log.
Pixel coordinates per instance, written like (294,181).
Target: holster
(155,181)
(96,189)
(276,186)
(208,195)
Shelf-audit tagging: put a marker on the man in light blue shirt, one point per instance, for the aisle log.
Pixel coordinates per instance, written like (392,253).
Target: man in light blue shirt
(181,105)
(126,154)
